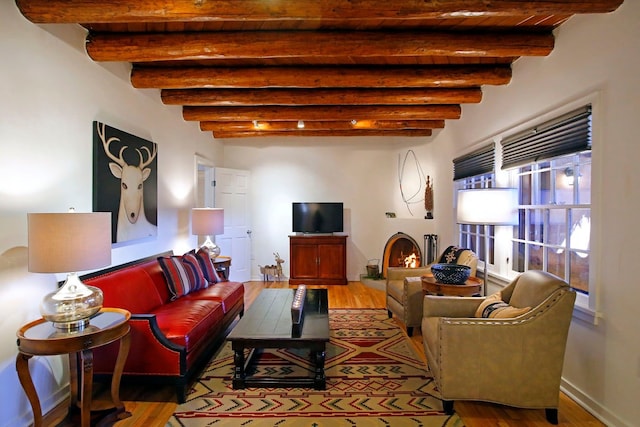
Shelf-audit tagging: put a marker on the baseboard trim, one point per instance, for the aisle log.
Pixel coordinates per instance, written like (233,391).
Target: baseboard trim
(594,408)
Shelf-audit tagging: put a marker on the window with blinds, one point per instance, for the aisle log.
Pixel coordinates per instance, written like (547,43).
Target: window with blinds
(476,170)
(569,133)
(552,165)
(476,163)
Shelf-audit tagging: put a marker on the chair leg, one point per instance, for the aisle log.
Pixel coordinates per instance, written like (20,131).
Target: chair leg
(552,415)
(410,330)
(390,314)
(447,407)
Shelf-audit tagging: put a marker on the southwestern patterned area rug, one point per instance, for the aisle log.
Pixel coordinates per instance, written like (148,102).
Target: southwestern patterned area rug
(374,378)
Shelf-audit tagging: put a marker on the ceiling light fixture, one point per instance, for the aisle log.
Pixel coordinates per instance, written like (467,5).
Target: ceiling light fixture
(467,14)
(255,124)
(300,124)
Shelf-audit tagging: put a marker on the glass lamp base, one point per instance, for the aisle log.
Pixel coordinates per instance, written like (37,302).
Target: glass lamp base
(214,250)
(70,308)
(75,326)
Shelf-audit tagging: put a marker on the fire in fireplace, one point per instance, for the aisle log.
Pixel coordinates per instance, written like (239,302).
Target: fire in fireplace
(401,250)
(411,261)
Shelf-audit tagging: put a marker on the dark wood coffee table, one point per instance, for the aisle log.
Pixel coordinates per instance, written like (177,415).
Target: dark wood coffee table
(267,324)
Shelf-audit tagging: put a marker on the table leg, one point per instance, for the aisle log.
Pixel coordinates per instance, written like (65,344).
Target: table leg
(87,387)
(22,366)
(73,379)
(123,352)
(320,380)
(238,373)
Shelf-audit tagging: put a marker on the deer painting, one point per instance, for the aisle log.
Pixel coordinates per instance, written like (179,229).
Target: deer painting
(132,222)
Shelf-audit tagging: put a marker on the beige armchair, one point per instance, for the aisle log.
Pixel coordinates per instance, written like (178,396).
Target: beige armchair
(514,357)
(404,294)
(404,286)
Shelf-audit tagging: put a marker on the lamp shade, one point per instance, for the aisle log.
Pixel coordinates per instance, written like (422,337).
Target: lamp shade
(207,221)
(488,206)
(69,242)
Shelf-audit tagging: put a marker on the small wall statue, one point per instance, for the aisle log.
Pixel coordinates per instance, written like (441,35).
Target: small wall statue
(272,270)
(428,198)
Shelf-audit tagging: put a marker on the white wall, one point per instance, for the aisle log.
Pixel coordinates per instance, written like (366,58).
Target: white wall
(362,173)
(50,93)
(597,57)
(593,55)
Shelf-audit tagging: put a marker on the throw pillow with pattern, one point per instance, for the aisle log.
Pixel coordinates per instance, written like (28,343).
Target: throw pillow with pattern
(200,281)
(179,276)
(493,307)
(209,270)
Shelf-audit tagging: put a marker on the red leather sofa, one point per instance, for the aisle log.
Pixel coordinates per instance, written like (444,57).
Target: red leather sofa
(171,340)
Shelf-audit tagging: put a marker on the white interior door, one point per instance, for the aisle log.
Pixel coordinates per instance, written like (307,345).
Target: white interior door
(231,192)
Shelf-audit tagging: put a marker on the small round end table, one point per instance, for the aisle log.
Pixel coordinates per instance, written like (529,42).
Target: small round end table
(41,338)
(471,287)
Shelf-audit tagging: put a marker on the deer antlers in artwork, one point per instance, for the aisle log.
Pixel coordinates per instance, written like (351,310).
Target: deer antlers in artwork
(132,222)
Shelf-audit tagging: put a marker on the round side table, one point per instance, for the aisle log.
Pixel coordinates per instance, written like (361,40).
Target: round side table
(41,338)
(471,287)
(222,264)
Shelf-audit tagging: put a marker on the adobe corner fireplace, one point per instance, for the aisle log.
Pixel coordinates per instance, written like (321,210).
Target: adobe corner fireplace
(401,250)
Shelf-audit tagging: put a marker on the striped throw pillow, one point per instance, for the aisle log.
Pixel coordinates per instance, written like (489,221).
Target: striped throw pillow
(179,276)
(493,307)
(207,266)
(199,282)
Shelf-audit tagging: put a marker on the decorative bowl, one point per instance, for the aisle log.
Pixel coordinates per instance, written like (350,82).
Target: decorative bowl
(451,274)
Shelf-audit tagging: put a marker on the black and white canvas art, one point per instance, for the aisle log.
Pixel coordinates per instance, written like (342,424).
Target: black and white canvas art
(125,182)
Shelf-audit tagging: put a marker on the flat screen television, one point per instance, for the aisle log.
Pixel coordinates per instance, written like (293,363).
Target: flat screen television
(319,218)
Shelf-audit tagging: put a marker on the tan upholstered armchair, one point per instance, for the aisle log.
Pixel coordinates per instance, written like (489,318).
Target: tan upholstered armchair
(404,286)
(513,357)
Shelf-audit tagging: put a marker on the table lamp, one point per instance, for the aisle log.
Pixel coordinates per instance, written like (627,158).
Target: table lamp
(68,243)
(487,206)
(208,222)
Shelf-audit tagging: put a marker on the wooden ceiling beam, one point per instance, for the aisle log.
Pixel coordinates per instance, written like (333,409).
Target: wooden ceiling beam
(322,113)
(249,126)
(318,133)
(244,97)
(320,77)
(153,47)
(99,11)
(382,68)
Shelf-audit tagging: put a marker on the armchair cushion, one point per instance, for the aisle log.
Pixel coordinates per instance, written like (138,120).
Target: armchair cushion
(494,307)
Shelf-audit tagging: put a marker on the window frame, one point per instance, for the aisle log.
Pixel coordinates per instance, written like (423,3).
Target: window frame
(544,209)
(500,273)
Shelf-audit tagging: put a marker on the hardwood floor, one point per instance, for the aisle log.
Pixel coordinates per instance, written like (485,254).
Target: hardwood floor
(152,405)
